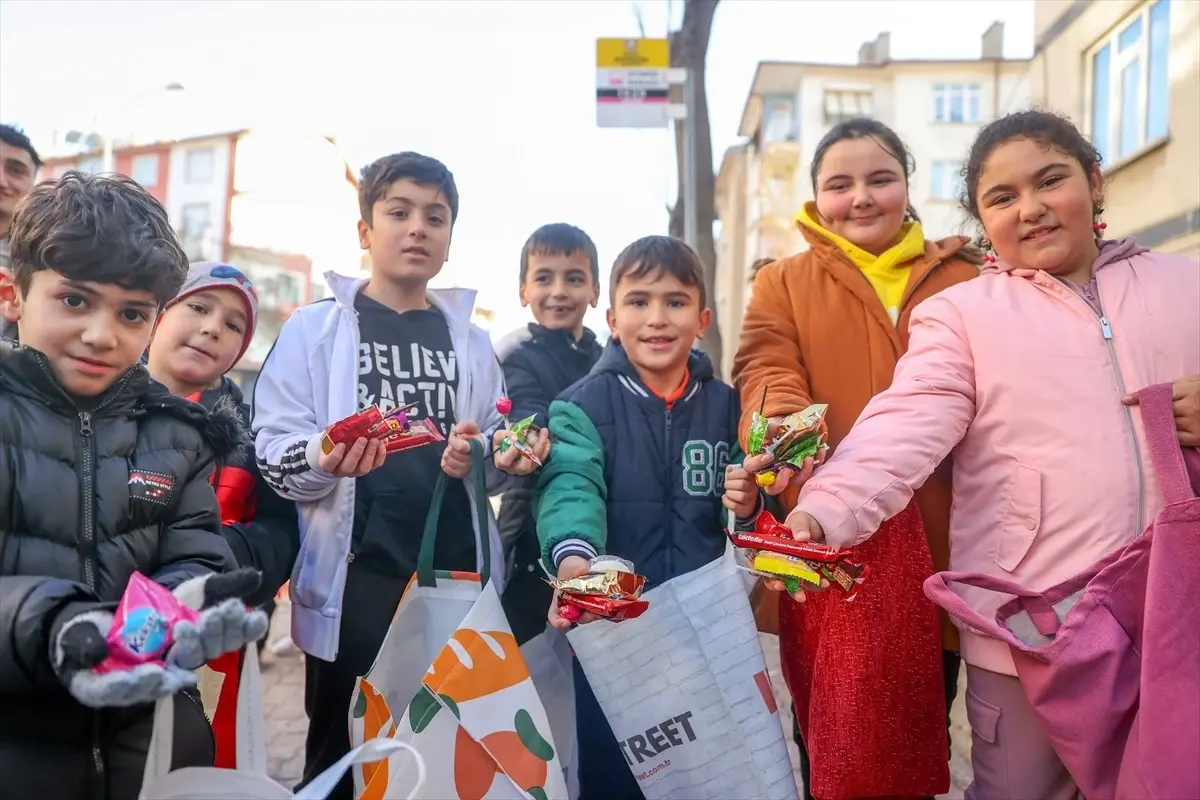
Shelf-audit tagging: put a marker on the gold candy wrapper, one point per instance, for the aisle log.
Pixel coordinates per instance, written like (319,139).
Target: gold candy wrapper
(613,585)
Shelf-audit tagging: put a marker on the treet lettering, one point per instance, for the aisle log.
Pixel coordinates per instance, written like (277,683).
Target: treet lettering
(663,736)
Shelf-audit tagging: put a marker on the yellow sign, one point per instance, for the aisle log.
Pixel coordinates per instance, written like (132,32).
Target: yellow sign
(633,54)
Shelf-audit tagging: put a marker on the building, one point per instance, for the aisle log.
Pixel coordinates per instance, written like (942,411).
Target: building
(1128,73)
(282,206)
(937,107)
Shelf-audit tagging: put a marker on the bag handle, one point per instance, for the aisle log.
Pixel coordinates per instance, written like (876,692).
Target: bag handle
(251,748)
(1166,454)
(374,750)
(425,572)
(1041,612)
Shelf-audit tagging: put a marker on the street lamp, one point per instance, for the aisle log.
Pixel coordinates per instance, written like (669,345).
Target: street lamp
(104,137)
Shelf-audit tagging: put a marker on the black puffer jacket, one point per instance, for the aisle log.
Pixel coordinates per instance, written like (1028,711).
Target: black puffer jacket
(86,498)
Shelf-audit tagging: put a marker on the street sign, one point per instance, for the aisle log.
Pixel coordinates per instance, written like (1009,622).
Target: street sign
(632,83)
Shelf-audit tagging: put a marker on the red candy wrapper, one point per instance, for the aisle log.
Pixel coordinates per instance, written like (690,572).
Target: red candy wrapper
(611,590)
(394,428)
(142,625)
(572,606)
(772,536)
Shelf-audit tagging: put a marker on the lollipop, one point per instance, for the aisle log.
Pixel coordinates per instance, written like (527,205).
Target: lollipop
(516,432)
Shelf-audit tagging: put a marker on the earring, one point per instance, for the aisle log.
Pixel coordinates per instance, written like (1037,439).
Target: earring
(1097,227)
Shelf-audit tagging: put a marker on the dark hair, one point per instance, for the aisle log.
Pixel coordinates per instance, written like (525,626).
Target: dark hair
(15,137)
(652,253)
(381,173)
(866,128)
(758,264)
(559,239)
(1046,128)
(102,229)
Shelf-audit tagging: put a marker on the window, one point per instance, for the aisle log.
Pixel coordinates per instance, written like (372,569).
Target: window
(1130,83)
(956,102)
(194,229)
(842,105)
(91,166)
(199,166)
(145,170)
(947,180)
(779,118)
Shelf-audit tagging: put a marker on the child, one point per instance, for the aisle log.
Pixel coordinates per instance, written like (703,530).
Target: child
(827,326)
(388,340)
(203,331)
(1021,374)
(653,406)
(102,473)
(560,279)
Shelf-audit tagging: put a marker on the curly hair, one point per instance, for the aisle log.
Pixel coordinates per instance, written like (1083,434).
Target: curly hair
(1046,128)
(99,229)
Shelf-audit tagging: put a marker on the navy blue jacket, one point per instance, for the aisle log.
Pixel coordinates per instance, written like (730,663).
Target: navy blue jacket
(630,477)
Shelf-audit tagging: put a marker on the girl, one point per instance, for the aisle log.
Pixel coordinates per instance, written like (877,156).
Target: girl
(827,326)
(1021,373)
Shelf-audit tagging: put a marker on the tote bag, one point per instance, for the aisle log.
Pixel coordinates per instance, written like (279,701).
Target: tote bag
(1110,659)
(250,781)
(450,680)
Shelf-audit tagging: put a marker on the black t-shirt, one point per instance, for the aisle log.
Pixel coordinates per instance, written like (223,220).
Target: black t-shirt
(408,359)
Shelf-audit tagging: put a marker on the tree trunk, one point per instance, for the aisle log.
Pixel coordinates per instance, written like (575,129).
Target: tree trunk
(689,48)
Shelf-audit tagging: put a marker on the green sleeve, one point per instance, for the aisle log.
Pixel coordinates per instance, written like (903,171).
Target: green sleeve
(572,497)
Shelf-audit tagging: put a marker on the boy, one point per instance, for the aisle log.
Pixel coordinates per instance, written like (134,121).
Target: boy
(203,331)
(641,462)
(560,278)
(102,473)
(386,340)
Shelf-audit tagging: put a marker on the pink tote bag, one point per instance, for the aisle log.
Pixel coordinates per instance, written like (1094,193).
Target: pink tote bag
(1110,659)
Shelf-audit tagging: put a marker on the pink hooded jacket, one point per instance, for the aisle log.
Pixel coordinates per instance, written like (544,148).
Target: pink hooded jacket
(1016,378)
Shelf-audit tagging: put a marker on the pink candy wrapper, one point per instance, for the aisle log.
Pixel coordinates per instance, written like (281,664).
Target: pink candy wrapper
(142,625)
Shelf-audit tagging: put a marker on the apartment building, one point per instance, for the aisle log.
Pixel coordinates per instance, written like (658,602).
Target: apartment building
(1128,73)
(280,205)
(937,107)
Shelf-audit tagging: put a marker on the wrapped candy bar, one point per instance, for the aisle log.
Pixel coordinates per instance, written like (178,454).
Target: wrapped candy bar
(394,428)
(798,437)
(610,589)
(142,626)
(774,554)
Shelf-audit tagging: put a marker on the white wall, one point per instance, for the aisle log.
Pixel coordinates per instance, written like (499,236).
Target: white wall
(214,191)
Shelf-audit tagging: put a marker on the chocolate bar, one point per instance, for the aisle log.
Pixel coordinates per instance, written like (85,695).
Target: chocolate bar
(394,428)
(572,606)
(611,589)
(803,559)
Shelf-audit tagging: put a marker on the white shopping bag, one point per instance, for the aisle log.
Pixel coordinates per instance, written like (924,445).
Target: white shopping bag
(450,679)
(686,692)
(250,781)
(548,656)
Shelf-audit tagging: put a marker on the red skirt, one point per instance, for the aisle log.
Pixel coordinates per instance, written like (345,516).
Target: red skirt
(866,676)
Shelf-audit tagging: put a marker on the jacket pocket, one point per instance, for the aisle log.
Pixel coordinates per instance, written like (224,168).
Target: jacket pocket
(1021,517)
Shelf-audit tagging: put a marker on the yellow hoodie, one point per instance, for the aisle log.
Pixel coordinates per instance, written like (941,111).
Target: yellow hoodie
(887,272)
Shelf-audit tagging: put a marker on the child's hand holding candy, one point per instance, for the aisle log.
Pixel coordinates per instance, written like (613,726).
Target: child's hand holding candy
(456,458)
(511,460)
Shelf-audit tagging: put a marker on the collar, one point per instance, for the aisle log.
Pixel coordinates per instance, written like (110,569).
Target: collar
(26,371)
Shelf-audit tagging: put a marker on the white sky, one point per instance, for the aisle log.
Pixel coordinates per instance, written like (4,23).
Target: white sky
(502,92)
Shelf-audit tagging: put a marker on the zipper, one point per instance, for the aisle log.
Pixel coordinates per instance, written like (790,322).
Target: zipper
(87,497)
(1106,332)
(669,487)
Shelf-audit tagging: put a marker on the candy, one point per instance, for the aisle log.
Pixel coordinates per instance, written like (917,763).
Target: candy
(142,626)
(610,589)
(766,479)
(504,406)
(396,429)
(775,554)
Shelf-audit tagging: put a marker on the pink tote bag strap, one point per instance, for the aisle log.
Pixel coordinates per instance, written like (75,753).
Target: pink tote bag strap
(1041,612)
(1170,463)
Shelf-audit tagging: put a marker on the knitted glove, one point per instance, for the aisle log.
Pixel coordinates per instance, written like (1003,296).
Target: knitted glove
(80,645)
(225,623)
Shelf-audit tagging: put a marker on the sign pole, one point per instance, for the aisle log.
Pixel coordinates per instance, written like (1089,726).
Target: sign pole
(691,219)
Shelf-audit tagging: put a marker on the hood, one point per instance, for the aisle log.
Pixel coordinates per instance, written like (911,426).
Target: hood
(457,305)
(615,359)
(1111,250)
